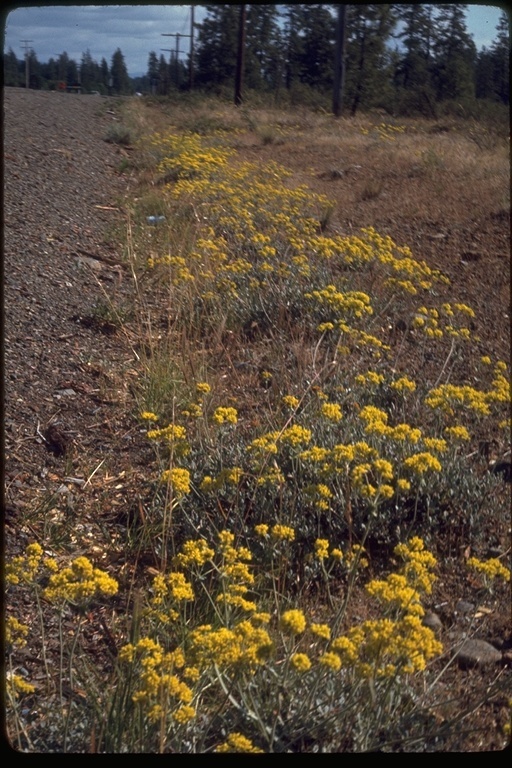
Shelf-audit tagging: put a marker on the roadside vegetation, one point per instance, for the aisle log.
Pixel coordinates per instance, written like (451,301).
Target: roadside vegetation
(313,404)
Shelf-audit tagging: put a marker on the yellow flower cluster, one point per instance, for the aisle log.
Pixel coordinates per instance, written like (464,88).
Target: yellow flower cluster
(383,648)
(457,433)
(148,416)
(300,662)
(436,322)
(244,646)
(236,742)
(16,633)
(194,553)
(320,493)
(295,435)
(501,391)
(282,532)
(178,479)
(173,586)
(171,433)
(490,569)
(162,692)
(79,583)
(331,411)
(235,573)
(320,630)
(291,402)
(227,477)
(370,377)
(344,305)
(267,444)
(24,568)
(403,384)
(449,397)
(386,647)
(420,463)
(184,156)
(322,548)
(225,416)
(293,621)
(395,592)
(17,686)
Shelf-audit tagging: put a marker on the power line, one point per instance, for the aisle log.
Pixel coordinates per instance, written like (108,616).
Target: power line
(179,35)
(26,48)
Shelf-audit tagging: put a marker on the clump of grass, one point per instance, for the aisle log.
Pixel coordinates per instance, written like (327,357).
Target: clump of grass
(372,189)
(107,317)
(119,134)
(432,160)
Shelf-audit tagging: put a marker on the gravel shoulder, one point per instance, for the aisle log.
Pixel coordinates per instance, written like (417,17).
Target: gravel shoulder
(62,203)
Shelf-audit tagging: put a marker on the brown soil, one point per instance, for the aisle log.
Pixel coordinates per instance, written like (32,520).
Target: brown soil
(68,366)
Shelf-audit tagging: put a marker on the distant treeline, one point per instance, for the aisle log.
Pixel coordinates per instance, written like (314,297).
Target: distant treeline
(404,58)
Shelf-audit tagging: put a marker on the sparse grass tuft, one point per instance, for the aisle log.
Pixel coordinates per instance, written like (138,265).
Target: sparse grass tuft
(119,134)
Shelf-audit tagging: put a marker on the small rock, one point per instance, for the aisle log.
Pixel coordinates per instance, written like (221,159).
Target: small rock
(478,653)
(432,621)
(504,469)
(87,261)
(56,440)
(464,606)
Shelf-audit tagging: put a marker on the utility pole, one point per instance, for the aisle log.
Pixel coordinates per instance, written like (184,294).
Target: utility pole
(26,48)
(164,85)
(177,35)
(191,55)
(340,60)
(240,57)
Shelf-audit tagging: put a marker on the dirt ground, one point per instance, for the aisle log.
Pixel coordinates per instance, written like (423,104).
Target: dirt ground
(68,412)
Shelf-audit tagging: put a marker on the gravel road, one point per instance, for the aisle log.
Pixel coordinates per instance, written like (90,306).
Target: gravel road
(58,172)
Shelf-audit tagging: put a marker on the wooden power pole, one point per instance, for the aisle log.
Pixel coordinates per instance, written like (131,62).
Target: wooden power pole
(191,55)
(240,58)
(340,60)
(26,48)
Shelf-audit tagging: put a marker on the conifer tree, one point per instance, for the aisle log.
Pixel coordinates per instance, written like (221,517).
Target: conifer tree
(119,74)
(369,59)
(217,45)
(500,52)
(454,54)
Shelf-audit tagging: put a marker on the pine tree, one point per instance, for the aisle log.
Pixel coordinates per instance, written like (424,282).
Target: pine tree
(500,52)
(12,75)
(88,74)
(217,45)
(62,68)
(484,75)
(104,73)
(119,74)
(164,76)
(317,59)
(368,58)
(418,31)
(293,42)
(49,73)
(454,54)
(263,47)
